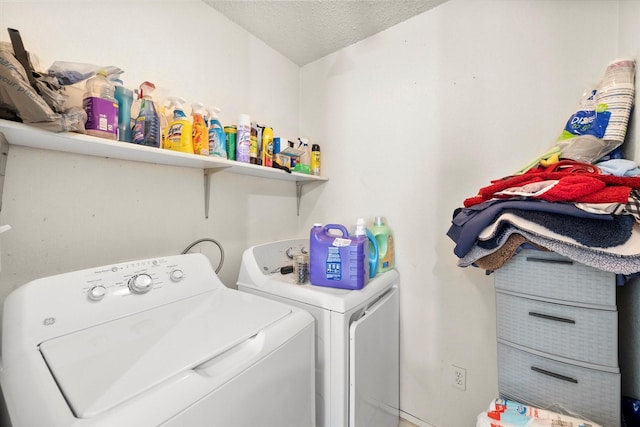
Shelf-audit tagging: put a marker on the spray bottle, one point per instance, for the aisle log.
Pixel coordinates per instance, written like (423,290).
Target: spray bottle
(217,137)
(146,130)
(304,163)
(178,136)
(200,132)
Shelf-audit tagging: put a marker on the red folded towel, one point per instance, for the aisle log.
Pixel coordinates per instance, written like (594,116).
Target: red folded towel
(572,187)
(608,196)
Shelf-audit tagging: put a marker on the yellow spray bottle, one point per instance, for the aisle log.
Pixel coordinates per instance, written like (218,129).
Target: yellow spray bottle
(178,136)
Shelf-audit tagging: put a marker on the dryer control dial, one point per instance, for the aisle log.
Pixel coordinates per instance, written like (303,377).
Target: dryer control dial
(176,275)
(140,284)
(97,293)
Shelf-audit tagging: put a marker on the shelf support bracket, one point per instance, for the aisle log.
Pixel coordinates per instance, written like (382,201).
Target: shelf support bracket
(207,188)
(4,154)
(299,185)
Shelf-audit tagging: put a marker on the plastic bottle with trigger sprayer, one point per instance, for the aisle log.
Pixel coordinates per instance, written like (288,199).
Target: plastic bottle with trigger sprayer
(217,137)
(200,132)
(178,136)
(146,130)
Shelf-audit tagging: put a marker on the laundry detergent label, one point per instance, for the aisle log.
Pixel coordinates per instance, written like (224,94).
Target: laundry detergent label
(102,114)
(334,264)
(340,242)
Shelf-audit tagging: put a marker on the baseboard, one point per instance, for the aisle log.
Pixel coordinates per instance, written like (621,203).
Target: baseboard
(414,420)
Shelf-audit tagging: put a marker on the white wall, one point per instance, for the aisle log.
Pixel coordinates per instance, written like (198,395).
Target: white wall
(70,212)
(411,121)
(414,120)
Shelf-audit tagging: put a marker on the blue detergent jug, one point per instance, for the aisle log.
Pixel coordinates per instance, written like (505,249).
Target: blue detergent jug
(339,260)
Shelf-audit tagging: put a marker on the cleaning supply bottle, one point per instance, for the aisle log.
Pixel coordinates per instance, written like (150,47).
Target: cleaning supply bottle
(337,261)
(165,116)
(315,159)
(384,237)
(369,241)
(146,130)
(217,137)
(200,133)
(101,107)
(254,150)
(267,147)
(231,133)
(178,136)
(243,139)
(124,96)
(304,163)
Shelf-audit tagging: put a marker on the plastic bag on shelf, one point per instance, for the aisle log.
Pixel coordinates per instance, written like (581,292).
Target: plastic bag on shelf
(19,100)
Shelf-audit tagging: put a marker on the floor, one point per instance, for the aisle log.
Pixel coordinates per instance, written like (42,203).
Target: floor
(405,423)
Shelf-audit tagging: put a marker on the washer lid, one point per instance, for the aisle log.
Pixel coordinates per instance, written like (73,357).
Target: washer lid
(102,366)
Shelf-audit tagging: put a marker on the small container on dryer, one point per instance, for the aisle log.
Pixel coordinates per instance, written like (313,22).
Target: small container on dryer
(301,269)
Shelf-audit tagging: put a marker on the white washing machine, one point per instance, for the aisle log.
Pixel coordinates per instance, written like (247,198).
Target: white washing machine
(357,336)
(154,342)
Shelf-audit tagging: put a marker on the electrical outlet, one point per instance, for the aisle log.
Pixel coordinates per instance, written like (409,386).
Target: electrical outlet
(459,377)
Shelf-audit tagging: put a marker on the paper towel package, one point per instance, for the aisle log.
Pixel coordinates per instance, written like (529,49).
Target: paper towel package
(507,413)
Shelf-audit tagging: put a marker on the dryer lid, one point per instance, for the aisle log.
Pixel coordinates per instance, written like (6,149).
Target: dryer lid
(102,366)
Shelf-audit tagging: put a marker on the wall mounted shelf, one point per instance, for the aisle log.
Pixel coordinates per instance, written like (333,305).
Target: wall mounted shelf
(29,136)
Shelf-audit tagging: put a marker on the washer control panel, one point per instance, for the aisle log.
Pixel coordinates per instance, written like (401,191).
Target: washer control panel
(144,278)
(58,305)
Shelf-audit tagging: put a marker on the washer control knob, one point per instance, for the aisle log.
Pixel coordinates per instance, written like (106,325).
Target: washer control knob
(140,284)
(176,275)
(97,293)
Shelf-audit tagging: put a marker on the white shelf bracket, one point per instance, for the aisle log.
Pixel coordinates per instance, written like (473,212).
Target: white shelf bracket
(299,185)
(4,154)
(207,188)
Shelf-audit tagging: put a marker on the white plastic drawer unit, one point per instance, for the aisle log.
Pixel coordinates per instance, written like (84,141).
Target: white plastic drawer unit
(586,335)
(557,330)
(544,382)
(552,276)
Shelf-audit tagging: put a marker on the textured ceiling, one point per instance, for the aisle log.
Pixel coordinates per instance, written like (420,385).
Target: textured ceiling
(306,30)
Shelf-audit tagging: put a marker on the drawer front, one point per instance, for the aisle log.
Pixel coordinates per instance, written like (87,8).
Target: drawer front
(584,334)
(542,382)
(549,275)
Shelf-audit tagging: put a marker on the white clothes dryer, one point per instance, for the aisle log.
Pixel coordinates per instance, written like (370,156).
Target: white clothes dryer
(357,336)
(154,342)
